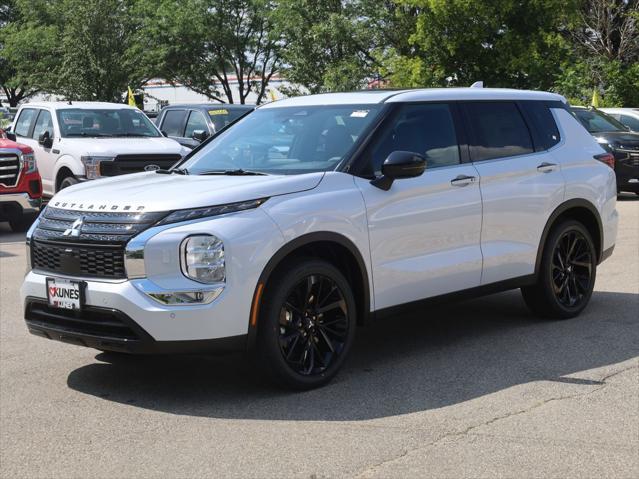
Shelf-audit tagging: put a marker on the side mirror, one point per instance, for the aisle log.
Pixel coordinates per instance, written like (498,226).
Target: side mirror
(400,165)
(200,135)
(45,140)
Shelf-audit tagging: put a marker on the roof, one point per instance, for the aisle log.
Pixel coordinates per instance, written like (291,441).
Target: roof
(59,105)
(227,106)
(425,94)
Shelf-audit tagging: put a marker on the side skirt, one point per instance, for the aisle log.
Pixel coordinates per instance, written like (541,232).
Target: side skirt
(463,295)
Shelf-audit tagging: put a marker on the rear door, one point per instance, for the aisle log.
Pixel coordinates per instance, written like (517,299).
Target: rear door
(424,232)
(173,123)
(45,157)
(521,183)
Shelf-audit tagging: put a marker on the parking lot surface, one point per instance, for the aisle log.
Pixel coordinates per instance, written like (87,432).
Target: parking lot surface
(474,389)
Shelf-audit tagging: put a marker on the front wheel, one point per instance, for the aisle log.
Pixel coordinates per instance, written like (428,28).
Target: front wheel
(68,181)
(307,324)
(567,273)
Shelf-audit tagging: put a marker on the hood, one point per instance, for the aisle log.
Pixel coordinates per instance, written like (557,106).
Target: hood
(617,138)
(151,191)
(123,146)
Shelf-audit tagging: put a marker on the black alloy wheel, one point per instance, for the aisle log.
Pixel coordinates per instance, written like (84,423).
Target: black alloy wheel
(572,269)
(313,326)
(567,273)
(306,324)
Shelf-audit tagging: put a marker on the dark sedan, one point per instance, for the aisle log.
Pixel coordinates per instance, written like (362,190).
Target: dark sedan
(189,125)
(616,138)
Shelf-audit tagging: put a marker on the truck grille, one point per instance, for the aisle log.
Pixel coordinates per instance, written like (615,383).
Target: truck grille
(84,261)
(9,169)
(124,164)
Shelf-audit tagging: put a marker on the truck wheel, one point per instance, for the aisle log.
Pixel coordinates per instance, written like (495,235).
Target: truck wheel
(567,273)
(307,324)
(22,223)
(68,181)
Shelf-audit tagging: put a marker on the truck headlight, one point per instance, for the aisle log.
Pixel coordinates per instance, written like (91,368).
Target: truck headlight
(202,259)
(29,163)
(92,165)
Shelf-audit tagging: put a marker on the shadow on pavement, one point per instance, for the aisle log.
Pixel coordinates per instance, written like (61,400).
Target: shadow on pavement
(425,360)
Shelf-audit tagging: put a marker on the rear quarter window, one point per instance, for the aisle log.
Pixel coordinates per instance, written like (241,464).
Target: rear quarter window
(545,128)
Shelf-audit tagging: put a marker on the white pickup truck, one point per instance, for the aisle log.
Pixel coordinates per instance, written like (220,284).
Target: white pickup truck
(78,141)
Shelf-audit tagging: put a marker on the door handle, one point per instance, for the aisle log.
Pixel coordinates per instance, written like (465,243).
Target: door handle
(463,180)
(547,167)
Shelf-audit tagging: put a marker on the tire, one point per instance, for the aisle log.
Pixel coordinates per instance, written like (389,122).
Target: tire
(22,223)
(68,181)
(566,275)
(306,325)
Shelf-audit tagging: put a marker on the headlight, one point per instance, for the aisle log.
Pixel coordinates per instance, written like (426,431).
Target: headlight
(197,213)
(92,165)
(202,259)
(29,163)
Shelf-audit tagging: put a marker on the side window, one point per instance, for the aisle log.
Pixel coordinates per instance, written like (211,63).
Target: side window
(43,123)
(630,122)
(427,129)
(546,131)
(498,130)
(196,122)
(173,122)
(25,120)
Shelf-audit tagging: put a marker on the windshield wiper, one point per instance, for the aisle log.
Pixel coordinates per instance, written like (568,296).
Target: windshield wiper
(92,135)
(134,134)
(237,172)
(177,171)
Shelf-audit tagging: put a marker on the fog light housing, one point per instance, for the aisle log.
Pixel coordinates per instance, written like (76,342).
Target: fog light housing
(202,259)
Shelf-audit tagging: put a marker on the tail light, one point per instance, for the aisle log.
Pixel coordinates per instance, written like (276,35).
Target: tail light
(29,163)
(607,158)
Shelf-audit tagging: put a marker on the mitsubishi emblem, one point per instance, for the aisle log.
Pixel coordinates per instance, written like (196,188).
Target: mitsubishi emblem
(75,229)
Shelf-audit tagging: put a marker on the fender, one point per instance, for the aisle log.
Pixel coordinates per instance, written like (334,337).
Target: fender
(561,209)
(68,161)
(288,248)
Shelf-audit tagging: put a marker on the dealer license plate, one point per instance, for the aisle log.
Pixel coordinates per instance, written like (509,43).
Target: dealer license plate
(63,293)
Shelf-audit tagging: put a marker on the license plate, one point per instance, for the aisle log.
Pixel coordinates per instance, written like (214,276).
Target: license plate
(64,293)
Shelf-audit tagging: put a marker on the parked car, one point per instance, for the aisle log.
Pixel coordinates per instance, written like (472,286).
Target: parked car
(629,117)
(314,214)
(20,186)
(74,142)
(192,124)
(616,138)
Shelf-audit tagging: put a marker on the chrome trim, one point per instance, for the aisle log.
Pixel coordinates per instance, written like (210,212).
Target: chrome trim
(134,261)
(18,153)
(28,204)
(204,295)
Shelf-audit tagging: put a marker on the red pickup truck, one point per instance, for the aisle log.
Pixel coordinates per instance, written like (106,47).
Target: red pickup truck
(20,183)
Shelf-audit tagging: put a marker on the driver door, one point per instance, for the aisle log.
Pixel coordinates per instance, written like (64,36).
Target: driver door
(424,232)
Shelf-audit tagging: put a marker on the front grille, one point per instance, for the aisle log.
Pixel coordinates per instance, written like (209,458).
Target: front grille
(92,226)
(98,322)
(9,169)
(124,164)
(84,261)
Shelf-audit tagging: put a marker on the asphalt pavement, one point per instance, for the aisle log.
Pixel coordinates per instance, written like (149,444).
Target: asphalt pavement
(473,389)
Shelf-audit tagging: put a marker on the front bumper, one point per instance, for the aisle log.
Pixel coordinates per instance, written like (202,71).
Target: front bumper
(19,202)
(111,330)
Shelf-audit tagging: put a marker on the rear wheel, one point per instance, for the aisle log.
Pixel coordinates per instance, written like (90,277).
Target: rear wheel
(567,273)
(307,324)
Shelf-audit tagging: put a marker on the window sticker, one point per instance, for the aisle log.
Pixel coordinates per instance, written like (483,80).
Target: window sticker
(218,112)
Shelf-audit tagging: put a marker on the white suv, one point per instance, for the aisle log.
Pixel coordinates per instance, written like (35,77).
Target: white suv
(79,141)
(315,214)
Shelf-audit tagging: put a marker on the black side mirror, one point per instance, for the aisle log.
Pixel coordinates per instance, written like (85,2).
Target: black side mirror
(200,135)
(45,140)
(400,165)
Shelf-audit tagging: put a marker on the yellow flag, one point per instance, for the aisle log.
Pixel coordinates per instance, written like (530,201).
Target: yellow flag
(595,98)
(131,98)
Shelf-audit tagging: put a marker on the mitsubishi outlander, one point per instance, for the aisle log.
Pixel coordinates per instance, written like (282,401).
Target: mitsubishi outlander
(313,215)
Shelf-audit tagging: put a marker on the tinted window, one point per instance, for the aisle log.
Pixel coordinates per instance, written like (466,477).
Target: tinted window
(597,122)
(173,122)
(630,122)
(427,129)
(43,123)
(127,122)
(547,134)
(196,122)
(25,120)
(498,129)
(223,116)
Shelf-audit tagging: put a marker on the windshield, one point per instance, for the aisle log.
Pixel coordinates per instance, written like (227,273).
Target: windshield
(597,122)
(287,140)
(77,122)
(220,117)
